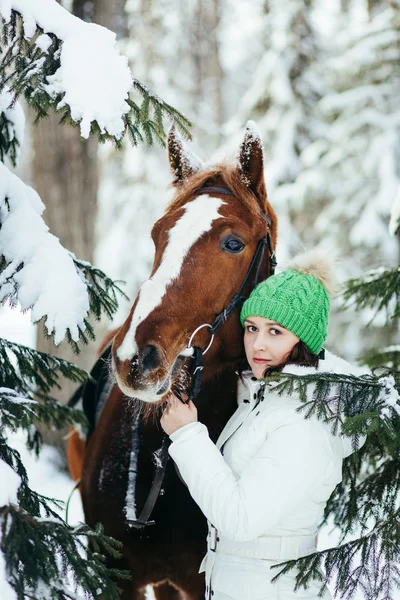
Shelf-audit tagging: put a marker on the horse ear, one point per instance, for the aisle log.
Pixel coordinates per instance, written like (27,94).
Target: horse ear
(251,161)
(182,160)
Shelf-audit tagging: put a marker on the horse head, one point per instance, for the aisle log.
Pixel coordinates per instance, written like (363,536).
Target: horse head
(204,246)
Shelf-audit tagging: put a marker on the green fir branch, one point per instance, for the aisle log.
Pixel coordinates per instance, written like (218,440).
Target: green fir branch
(352,405)
(386,357)
(378,289)
(29,371)
(366,481)
(101,289)
(24,68)
(18,411)
(154,106)
(59,550)
(370,563)
(9,144)
(32,502)
(60,553)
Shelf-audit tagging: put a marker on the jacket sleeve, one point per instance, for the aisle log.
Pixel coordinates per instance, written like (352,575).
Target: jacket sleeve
(279,477)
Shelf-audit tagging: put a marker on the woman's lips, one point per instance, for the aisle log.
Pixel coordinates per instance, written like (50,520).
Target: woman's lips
(261,361)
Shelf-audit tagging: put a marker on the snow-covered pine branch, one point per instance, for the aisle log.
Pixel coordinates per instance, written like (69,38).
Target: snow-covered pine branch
(40,274)
(369,563)
(37,271)
(57,562)
(18,411)
(351,404)
(57,61)
(30,371)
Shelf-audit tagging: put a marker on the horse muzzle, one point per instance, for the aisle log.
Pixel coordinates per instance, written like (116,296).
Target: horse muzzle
(148,376)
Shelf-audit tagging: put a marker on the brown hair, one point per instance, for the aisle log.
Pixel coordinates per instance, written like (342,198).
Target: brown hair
(299,355)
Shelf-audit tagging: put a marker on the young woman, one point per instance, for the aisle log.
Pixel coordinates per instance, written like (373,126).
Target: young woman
(264,485)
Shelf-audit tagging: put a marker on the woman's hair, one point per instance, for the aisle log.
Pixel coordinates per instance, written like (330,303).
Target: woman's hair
(299,355)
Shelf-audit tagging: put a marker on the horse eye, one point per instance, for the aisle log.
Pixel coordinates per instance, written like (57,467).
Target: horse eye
(233,246)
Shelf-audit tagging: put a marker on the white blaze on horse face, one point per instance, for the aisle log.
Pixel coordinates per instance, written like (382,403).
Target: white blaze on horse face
(196,220)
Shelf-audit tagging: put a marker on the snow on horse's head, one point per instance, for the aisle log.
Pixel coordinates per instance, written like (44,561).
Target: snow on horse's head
(204,245)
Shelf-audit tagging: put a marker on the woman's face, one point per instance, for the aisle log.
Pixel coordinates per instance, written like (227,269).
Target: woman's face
(266,343)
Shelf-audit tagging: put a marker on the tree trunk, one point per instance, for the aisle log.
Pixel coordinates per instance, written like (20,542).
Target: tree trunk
(207,108)
(66,175)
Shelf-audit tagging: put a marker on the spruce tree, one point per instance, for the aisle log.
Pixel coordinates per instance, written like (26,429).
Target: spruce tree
(42,556)
(351,171)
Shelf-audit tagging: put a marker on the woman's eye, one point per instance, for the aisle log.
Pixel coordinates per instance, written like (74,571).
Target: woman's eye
(275,331)
(233,246)
(251,328)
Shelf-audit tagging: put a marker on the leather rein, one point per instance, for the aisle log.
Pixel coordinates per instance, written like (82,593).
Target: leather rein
(197,354)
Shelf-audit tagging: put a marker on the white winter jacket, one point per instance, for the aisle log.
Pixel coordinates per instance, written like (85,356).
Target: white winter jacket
(263,487)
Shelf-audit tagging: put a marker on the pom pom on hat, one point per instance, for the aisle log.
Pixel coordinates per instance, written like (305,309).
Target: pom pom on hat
(320,264)
(298,298)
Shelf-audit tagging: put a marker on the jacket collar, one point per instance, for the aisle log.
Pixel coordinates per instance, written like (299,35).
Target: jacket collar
(247,392)
(247,397)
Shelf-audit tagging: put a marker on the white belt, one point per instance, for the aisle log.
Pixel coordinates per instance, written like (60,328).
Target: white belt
(278,548)
(285,547)
(270,547)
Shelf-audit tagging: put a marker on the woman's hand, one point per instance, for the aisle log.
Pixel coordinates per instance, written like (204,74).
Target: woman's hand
(177,415)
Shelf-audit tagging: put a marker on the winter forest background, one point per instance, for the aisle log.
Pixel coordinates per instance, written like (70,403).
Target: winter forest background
(322,82)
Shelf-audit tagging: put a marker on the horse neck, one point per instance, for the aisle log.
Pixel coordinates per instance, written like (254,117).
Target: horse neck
(227,351)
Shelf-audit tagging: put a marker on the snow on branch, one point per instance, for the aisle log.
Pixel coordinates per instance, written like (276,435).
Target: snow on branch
(39,273)
(93,78)
(60,62)
(32,372)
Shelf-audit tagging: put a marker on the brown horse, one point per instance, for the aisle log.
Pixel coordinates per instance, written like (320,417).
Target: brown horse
(204,245)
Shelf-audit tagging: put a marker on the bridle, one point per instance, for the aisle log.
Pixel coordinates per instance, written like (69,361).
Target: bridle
(197,355)
(236,301)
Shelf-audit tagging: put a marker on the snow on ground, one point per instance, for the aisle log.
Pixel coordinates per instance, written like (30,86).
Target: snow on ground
(45,474)
(45,477)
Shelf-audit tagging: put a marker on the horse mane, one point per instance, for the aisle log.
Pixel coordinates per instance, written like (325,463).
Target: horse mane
(228,176)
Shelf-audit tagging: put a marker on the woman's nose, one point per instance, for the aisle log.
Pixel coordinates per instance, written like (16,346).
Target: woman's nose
(259,343)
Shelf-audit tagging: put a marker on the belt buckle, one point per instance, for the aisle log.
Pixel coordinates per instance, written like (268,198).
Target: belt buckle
(213,538)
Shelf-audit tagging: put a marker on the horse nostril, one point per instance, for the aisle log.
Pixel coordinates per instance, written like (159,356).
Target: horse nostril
(149,358)
(134,364)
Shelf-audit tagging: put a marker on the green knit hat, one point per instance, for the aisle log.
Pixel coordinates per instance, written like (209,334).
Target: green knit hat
(297,298)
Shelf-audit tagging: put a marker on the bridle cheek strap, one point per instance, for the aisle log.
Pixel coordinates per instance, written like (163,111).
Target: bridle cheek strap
(257,260)
(238,298)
